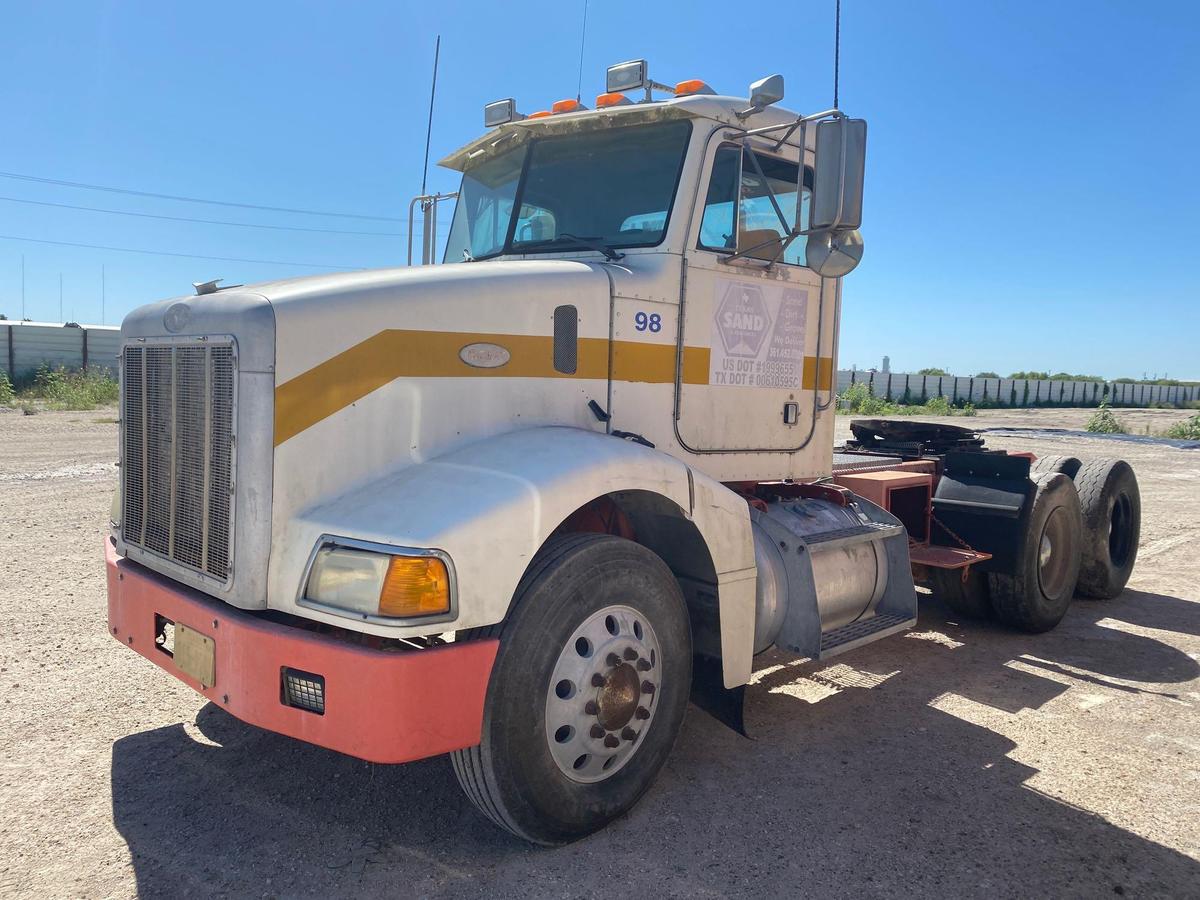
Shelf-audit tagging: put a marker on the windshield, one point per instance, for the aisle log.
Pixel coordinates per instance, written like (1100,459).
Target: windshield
(607,188)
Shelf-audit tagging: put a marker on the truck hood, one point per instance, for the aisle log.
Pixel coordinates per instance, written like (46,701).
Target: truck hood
(318,318)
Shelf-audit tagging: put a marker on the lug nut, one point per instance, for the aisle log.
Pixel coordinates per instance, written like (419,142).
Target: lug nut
(612,660)
(630,654)
(612,741)
(642,713)
(628,733)
(591,708)
(643,665)
(596,731)
(647,687)
(597,680)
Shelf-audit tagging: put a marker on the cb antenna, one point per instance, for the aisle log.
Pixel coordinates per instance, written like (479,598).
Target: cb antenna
(837,49)
(437,49)
(582,44)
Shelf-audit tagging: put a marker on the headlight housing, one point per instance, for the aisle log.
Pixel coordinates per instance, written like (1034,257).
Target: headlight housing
(378,582)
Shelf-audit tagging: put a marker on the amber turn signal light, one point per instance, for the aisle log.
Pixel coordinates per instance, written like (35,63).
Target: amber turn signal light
(415,586)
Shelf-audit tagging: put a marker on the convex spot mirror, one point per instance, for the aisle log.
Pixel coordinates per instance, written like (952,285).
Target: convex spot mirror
(832,254)
(838,176)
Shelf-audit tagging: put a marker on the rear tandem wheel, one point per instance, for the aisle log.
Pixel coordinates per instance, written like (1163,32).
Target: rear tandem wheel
(1036,595)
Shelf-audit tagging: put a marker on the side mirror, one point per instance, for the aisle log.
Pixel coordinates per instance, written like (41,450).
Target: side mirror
(838,175)
(766,91)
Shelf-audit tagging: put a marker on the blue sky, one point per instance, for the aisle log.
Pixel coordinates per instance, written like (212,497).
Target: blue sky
(1032,194)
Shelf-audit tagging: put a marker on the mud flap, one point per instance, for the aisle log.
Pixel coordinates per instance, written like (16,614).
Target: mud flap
(726,705)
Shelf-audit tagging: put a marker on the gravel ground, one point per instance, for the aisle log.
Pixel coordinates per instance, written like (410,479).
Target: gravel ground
(959,759)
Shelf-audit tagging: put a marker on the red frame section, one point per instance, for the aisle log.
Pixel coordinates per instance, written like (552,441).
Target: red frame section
(385,706)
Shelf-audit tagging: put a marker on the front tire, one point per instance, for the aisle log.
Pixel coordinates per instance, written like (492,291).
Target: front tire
(587,693)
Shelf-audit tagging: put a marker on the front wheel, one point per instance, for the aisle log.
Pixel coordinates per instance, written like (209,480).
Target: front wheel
(587,693)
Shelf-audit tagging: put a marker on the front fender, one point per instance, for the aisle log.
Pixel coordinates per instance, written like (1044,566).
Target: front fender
(491,505)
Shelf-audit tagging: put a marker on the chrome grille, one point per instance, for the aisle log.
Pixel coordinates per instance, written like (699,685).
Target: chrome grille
(177,452)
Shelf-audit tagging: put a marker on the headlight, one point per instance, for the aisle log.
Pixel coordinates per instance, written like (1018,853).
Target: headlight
(377,583)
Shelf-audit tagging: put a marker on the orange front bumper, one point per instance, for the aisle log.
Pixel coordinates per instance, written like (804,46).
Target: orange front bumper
(380,705)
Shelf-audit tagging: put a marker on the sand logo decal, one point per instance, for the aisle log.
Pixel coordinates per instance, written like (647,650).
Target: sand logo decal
(758,335)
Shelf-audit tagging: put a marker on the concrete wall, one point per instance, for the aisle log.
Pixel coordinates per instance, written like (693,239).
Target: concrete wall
(26,345)
(1021,392)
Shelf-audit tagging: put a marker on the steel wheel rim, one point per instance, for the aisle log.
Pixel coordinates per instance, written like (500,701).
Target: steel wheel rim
(602,694)
(1054,554)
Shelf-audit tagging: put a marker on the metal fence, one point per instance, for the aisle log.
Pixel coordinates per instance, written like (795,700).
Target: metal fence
(903,387)
(28,345)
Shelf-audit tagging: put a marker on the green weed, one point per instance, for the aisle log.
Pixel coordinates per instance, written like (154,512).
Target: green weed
(62,389)
(1104,422)
(1187,430)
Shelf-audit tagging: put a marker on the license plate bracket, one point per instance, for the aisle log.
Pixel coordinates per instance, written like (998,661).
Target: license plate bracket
(195,655)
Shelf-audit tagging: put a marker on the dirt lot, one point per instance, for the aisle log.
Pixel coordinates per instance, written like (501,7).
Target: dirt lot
(958,759)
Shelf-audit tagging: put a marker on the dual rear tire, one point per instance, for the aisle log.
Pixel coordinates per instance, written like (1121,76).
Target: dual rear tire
(1081,538)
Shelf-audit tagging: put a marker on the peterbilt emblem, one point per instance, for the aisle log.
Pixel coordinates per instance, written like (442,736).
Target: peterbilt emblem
(176,318)
(484,356)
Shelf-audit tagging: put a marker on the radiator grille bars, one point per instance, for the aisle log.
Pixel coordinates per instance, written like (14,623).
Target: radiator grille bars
(177,452)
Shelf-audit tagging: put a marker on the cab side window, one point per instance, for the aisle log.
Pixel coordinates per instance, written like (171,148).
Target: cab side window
(718,227)
(739,213)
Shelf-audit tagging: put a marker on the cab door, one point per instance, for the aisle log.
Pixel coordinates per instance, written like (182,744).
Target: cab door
(760,316)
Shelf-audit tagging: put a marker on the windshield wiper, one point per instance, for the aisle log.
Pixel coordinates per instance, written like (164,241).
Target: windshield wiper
(591,243)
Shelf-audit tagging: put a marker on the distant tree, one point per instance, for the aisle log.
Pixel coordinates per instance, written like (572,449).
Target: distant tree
(1067,376)
(1032,376)
(932,371)
(3,317)
(986,375)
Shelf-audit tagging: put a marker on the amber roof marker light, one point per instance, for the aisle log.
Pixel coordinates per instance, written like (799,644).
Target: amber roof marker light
(605,101)
(566,106)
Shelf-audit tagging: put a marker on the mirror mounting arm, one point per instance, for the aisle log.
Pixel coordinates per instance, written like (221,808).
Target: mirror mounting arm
(787,226)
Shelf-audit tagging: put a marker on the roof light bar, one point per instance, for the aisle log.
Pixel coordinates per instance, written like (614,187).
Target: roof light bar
(500,113)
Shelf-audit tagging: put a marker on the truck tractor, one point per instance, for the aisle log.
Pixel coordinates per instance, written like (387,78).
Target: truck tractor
(519,506)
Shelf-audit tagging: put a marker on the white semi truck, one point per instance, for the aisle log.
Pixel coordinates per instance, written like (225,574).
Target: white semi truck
(518,508)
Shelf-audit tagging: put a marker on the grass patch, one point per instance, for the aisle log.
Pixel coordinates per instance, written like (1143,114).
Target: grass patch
(858,400)
(58,388)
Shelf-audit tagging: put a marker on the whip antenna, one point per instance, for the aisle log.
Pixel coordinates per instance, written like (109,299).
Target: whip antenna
(437,49)
(582,44)
(837,49)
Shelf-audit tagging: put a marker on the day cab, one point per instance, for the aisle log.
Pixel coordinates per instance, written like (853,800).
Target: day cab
(499,507)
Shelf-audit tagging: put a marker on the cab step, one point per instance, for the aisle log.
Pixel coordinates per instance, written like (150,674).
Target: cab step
(847,637)
(870,531)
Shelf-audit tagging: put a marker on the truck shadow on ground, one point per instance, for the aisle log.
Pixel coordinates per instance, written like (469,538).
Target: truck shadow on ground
(856,783)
